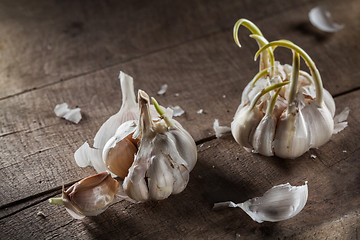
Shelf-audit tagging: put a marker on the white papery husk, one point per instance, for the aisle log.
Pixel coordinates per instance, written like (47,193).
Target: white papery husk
(88,156)
(72,115)
(279,203)
(321,18)
(164,159)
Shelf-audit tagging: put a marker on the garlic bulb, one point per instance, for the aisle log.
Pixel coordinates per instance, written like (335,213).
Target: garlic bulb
(284,111)
(279,203)
(88,197)
(159,150)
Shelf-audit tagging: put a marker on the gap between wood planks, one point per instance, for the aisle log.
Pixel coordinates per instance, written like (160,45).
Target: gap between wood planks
(138,57)
(43,196)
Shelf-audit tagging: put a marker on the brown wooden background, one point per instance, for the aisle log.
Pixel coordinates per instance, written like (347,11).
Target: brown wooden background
(72,51)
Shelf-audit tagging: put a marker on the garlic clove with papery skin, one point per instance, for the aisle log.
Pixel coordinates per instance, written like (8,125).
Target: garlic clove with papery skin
(88,197)
(264,136)
(320,123)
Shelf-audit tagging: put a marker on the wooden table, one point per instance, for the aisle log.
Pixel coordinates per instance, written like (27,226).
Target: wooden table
(72,51)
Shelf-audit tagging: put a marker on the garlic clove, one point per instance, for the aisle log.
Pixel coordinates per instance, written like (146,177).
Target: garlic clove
(90,196)
(128,111)
(292,137)
(120,158)
(279,203)
(243,125)
(87,156)
(118,153)
(320,123)
(329,102)
(264,136)
(160,178)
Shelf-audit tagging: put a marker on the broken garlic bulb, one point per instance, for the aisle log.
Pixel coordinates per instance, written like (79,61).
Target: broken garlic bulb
(88,156)
(284,111)
(154,155)
(88,197)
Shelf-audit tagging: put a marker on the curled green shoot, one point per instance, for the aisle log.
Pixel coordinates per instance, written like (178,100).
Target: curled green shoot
(260,39)
(266,90)
(259,75)
(262,42)
(249,25)
(161,112)
(309,62)
(271,106)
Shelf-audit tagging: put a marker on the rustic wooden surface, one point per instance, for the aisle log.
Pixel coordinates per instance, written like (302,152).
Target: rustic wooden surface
(67,51)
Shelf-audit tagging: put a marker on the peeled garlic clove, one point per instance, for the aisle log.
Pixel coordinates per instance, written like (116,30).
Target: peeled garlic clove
(279,203)
(264,136)
(118,153)
(243,125)
(90,196)
(292,137)
(320,123)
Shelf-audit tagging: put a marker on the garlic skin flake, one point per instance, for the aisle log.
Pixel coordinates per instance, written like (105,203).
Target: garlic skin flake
(88,197)
(72,115)
(279,203)
(321,18)
(166,153)
(283,111)
(220,130)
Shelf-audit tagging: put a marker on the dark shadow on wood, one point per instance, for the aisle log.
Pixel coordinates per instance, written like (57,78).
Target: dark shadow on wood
(306,28)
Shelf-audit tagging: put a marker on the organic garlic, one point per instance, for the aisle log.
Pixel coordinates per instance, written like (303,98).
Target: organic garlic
(160,152)
(284,111)
(88,197)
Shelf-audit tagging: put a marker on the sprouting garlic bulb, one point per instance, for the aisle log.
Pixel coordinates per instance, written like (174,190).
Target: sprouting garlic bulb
(88,197)
(153,155)
(284,111)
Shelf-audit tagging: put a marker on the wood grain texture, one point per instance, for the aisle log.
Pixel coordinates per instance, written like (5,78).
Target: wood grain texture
(226,172)
(67,51)
(45,41)
(39,147)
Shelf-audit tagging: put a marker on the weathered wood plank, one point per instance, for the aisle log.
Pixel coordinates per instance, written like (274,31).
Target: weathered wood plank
(39,147)
(40,44)
(226,172)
